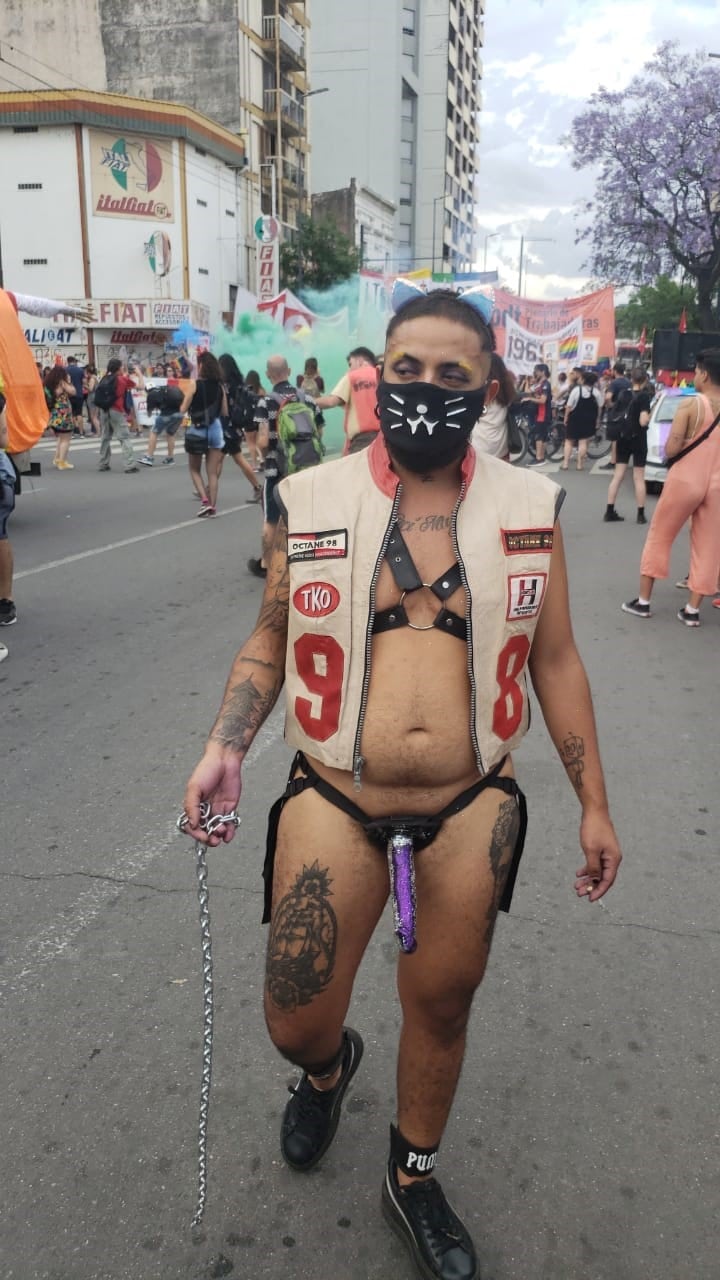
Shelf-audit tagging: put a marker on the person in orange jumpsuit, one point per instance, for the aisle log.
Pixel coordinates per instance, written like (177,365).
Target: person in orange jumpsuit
(692,489)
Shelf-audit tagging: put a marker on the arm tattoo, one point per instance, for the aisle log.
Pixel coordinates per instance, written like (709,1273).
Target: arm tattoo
(274,611)
(303,941)
(502,846)
(245,708)
(572,754)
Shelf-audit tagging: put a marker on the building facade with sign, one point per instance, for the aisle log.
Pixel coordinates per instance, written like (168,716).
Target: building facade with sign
(139,207)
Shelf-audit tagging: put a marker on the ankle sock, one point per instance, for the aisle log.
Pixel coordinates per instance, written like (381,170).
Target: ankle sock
(409,1159)
(643,601)
(692,611)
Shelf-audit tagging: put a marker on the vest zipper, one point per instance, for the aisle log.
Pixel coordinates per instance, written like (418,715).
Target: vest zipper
(358,760)
(470,662)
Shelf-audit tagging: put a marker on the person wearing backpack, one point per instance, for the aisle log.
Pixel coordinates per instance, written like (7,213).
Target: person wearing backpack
(619,384)
(241,418)
(632,443)
(205,402)
(289,441)
(165,403)
(110,394)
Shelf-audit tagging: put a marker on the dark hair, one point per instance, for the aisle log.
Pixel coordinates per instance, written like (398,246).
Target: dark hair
(709,362)
(562,377)
(252,380)
(363,353)
(230,371)
(114,365)
(619,368)
(311,365)
(208,367)
(446,305)
(639,376)
(57,374)
(542,368)
(72,359)
(499,372)
(589,378)
(90,368)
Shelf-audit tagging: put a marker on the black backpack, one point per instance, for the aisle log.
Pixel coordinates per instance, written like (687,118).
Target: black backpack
(241,403)
(164,400)
(106,391)
(618,421)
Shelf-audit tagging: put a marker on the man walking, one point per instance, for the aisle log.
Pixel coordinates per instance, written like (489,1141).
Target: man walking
(540,403)
(615,392)
(267,412)
(357,393)
(110,402)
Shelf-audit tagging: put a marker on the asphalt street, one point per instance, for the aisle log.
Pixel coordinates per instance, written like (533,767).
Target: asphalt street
(583,1143)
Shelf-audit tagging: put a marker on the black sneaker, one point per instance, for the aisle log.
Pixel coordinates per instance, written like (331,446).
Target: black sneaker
(255,567)
(638,609)
(690,619)
(612,517)
(438,1242)
(311,1117)
(8,613)
(640,518)
(606,466)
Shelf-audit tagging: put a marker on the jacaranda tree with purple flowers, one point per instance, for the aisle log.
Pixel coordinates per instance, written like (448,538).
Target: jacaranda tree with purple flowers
(657,201)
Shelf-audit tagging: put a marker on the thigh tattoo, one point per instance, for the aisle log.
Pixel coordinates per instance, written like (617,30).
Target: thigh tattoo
(502,845)
(303,941)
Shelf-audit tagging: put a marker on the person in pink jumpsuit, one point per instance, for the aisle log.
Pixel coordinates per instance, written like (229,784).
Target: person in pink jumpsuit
(692,489)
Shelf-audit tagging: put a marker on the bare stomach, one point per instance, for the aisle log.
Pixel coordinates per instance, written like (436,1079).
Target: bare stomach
(416,743)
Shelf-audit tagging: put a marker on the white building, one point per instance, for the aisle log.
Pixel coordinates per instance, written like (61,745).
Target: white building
(365,218)
(402,116)
(135,206)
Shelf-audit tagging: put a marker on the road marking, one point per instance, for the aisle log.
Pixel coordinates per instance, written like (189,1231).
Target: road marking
(126,542)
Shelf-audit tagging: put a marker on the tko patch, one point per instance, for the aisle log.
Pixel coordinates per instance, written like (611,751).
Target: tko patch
(331,544)
(517,542)
(316,599)
(525,595)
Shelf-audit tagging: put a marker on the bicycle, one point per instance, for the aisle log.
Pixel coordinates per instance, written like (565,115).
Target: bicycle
(523,427)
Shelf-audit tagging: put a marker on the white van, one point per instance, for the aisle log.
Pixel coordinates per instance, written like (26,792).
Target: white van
(662,413)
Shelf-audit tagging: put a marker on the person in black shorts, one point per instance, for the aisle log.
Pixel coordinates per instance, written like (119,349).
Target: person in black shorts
(632,444)
(539,404)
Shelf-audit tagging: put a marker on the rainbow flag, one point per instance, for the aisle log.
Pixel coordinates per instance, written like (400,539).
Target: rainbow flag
(569,347)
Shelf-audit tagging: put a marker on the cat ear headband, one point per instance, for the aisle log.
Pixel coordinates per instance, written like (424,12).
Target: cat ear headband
(404,291)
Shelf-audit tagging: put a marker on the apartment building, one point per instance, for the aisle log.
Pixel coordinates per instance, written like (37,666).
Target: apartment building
(402,116)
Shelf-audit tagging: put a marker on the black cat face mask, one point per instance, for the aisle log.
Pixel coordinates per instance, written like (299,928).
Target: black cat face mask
(427,427)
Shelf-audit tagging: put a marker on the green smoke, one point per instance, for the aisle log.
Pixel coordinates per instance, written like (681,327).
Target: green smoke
(257,336)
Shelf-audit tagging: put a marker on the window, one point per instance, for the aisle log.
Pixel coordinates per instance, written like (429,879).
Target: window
(35,262)
(230,213)
(406,150)
(199,151)
(29,186)
(406,193)
(408,21)
(25,128)
(232,296)
(202,203)
(408,107)
(203,271)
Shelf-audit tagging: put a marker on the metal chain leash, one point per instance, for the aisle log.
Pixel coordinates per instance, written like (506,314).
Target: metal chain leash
(209,825)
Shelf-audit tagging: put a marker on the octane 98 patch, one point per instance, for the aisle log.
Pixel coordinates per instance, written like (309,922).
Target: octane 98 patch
(330,544)
(525,595)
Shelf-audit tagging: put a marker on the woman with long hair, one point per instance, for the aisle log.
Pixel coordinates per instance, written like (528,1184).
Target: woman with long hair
(240,420)
(58,390)
(255,387)
(206,403)
(490,432)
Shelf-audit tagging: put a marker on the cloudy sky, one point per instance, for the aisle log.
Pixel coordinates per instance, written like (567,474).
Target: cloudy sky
(542,61)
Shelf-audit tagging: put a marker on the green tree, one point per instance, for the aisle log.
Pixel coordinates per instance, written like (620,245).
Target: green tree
(320,256)
(657,306)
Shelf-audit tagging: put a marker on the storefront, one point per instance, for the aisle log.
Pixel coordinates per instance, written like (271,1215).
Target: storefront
(147,331)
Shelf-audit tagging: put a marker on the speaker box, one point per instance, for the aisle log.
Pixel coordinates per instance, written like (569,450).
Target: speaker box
(666,349)
(692,343)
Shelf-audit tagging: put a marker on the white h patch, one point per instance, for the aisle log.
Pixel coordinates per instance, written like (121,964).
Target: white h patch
(525,595)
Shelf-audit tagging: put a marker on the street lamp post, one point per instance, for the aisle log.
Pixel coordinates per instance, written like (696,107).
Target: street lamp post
(436,201)
(492,235)
(530,240)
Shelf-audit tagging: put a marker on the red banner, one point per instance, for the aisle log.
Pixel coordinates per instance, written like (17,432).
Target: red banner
(547,318)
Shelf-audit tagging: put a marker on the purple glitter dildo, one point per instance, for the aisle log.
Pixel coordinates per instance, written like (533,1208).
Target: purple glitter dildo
(402,887)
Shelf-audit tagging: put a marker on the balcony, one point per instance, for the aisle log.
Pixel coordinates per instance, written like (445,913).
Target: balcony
(292,113)
(291,42)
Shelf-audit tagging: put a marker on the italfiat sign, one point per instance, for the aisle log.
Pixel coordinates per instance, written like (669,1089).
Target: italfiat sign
(132,177)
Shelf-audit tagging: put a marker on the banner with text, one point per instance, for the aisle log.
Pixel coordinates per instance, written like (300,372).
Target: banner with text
(546,321)
(523,350)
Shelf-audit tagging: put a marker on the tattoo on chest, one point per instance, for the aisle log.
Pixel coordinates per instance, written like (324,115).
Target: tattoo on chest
(303,941)
(424,524)
(572,754)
